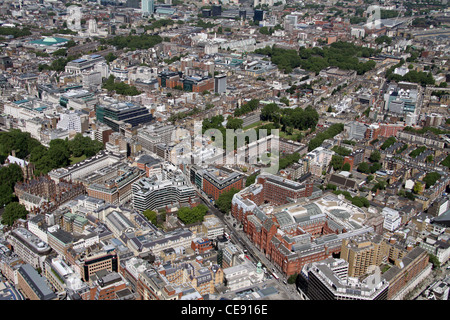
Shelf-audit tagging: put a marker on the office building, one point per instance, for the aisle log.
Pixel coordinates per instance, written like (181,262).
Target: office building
(74,121)
(60,240)
(295,232)
(118,223)
(401,98)
(116,114)
(61,276)
(97,261)
(33,285)
(355,130)
(392,219)
(74,223)
(136,4)
(258,15)
(171,189)
(80,169)
(278,190)
(152,286)
(220,83)
(113,184)
(433,120)
(328,280)
(152,135)
(83,64)
(30,248)
(148,7)
(414,267)
(363,252)
(216,10)
(212,227)
(439,206)
(219,180)
(191,83)
(109,285)
(243,14)
(242,275)
(5,62)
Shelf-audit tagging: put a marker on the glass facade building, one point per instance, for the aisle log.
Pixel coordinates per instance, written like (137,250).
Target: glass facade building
(116,114)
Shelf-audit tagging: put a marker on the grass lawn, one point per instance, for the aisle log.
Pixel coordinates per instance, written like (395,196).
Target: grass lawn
(256,124)
(74,160)
(293,136)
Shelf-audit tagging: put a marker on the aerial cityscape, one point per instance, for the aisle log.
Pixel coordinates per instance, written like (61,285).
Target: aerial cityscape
(224,150)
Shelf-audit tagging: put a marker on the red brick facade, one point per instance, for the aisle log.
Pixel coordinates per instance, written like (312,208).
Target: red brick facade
(213,191)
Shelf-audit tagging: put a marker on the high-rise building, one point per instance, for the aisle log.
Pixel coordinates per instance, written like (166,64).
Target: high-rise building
(362,252)
(243,14)
(75,121)
(216,10)
(328,280)
(392,219)
(258,15)
(148,7)
(220,83)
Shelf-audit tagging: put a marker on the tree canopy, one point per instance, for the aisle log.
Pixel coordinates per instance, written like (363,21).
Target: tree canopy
(234,123)
(251,179)
(289,159)
(431,178)
(192,215)
(133,42)
(15,32)
(337,162)
(9,175)
(250,106)
(389,142)
(224,200)
(329,133)
(151,216)
(343,55)
(375,156)
(120,87)
(13,211)
(297,118)
(57,155)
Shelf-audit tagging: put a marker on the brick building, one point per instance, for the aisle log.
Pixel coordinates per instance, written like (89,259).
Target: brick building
(109,286)
(201,245)
(294,234)
(44,186)
(414,263)
(33,285)
(219,180)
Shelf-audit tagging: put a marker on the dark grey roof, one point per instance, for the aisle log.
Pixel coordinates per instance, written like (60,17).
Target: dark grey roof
(62,236)
(36,282)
